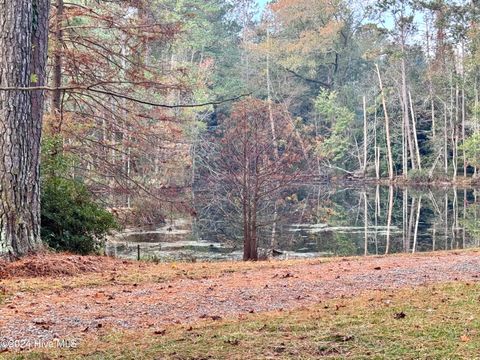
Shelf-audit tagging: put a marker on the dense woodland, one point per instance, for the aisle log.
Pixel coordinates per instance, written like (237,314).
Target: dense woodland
(141,107)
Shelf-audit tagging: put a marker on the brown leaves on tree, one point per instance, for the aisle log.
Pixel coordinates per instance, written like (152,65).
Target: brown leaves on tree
(102,51)
(260,153)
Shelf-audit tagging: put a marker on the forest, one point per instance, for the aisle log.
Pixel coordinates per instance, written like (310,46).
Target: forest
(207,159)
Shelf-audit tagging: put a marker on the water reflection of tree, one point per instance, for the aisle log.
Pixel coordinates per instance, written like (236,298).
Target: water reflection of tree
(398,220)
(245,176)
(470,222)
(420,219)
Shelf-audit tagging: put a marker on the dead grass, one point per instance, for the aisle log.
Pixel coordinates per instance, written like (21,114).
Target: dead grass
(428,322)
(58,265)
(57,271)
(435,322)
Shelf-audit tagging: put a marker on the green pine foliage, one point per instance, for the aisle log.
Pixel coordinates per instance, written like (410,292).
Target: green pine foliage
(336,146)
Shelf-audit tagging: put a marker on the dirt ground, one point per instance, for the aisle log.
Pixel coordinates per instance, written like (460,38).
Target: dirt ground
(41,303)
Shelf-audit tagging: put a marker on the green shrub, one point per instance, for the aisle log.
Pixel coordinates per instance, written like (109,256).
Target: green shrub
(418,176)
(472,149)
(71,219)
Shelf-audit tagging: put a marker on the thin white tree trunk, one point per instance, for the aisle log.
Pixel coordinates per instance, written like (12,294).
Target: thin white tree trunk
(387,127)
(415,137)
(475,114)
(445,142)
(415,235)
(404,218)
(365,136)
(377,211)
(389,218)
(463,130)
(377,150)
(365,213)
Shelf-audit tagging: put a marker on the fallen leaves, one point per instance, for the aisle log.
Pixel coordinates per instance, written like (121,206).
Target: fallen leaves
(342,338)
(464,338)
(160,332)
(43,324)
(57,265)
(212,317)
(138,299)
(233,342)
(399,315)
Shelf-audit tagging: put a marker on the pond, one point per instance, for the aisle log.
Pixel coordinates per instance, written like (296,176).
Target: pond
(316,220)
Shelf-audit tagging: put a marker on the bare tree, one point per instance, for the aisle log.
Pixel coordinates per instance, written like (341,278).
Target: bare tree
(247,175)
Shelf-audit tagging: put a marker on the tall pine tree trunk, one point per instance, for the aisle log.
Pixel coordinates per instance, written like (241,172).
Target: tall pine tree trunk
(57,67)
(23,54)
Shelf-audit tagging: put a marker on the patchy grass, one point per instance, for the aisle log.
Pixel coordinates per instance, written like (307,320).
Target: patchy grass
(129,273)
(435,322)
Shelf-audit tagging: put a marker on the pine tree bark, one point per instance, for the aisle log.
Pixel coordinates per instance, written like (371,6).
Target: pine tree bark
(23,55)
(57,66)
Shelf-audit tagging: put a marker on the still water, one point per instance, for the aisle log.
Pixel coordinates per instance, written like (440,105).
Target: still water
(321,221)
